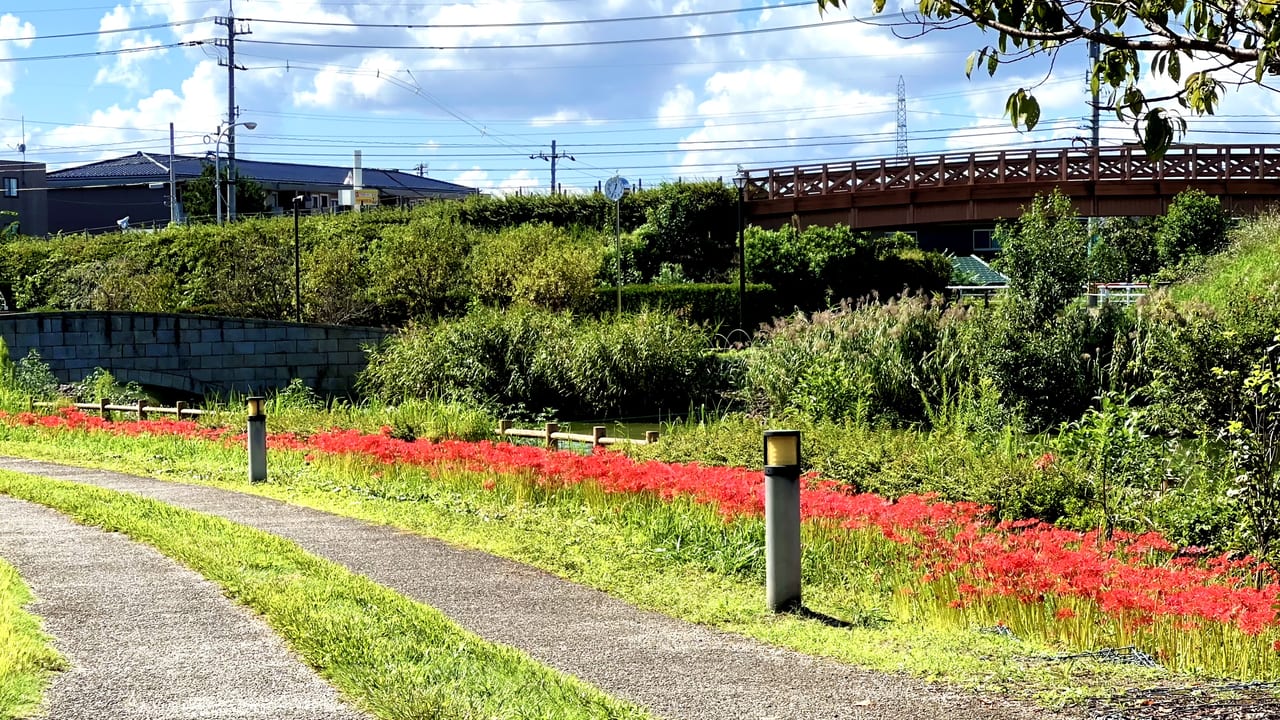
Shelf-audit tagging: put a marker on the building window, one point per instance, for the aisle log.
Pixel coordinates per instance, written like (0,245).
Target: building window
(985,240)
(11,187)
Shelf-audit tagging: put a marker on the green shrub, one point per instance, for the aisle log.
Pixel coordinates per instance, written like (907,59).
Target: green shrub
(101,385)
(1124,251)
(713,305)
(33,378)
(418,269)
(488,357)
(692,225)
(1195,224)
(894,363)
(636,365)
(1045,255)
(537,360)
(540,265)
(820,265)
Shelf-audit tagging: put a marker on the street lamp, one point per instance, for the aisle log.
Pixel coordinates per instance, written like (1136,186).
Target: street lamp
(217,136)
(740,181)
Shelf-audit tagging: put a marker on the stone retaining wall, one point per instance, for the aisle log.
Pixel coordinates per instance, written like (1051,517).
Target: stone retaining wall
(197,354)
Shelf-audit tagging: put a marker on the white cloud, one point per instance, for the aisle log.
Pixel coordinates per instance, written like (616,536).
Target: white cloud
(126,69)
(12,27)
(562,117)
(196,108)
(677,106)
(520,182)
(373,82)
(783,94)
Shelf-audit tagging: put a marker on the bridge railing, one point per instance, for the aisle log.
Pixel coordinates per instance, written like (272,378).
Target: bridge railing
(1126,163)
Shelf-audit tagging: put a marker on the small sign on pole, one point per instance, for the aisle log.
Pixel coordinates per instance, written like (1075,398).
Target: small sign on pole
(614,188)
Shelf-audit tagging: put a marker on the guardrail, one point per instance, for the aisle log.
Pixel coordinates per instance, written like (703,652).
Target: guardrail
(142,409)
(1118,293)
(551,435)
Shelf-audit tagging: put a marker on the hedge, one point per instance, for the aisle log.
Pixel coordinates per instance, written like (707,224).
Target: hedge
(713,304)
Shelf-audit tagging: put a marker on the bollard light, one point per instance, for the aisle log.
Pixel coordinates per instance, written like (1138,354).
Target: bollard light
(782,449)
(782,519)
(257,438)
(257,407)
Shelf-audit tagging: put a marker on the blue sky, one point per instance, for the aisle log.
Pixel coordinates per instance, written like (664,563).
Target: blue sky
(734,86)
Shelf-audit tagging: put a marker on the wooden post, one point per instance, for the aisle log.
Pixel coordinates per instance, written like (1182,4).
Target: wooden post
(597,434)
(180,406)
(552,443)
(142,411)
(102,408)
(503,427)
(650,437)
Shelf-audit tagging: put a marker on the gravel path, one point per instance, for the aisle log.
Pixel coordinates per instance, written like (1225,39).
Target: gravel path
(148,639)
(677,670)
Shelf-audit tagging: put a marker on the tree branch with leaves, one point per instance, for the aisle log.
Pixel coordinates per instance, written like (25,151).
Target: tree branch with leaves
(1239,41)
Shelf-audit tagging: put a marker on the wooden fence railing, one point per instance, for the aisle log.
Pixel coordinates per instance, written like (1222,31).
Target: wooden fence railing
(1114,164)
(180,409)
(551,435)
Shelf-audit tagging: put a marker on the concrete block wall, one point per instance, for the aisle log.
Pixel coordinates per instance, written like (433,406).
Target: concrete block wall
(198,354)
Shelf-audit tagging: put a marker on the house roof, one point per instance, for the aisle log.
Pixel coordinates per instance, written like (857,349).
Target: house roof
(153,167)
(976,271)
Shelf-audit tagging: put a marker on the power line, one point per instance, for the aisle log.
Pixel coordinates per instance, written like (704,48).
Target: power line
(95,33)
(102,53)
(539,24)
(542,46)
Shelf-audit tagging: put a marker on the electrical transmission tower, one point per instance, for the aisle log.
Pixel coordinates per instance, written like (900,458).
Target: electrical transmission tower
(552,158)
(902,117)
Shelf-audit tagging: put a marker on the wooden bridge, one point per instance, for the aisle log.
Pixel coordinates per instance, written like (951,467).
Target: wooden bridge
(902,193)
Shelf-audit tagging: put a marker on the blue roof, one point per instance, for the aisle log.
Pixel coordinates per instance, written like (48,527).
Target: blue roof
(154,167)
(977,272)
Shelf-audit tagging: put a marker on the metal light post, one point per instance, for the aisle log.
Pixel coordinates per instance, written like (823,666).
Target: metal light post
(257,439)
(740,181)
(782,519)
(297,263)
(217,137)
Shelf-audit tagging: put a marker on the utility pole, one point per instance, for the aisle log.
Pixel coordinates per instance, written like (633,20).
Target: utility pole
(230,44)
(173,192)
(422,169)
(1093,63)
(553,157)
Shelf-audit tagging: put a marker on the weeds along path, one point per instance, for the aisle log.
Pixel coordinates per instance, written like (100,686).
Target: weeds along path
(677,670)
(148,639)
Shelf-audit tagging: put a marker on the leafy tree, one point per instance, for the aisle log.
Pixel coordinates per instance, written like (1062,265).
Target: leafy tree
(9,227)
(198,200)
(1241,40)
(1195,224)
(1125,250)
(692,225)
(415,269)
(537,264)
(1045,255)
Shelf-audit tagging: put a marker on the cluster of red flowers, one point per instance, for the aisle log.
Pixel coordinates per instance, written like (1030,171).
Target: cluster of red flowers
(1139,576)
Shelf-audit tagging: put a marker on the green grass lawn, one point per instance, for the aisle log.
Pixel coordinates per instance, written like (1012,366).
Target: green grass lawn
(26,658)
(675,558)
(389,655)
